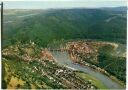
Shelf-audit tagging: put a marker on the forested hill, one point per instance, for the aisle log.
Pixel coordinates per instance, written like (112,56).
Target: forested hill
(117,9)
(47,26)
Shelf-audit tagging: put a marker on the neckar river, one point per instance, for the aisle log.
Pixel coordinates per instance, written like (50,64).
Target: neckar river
(64,59)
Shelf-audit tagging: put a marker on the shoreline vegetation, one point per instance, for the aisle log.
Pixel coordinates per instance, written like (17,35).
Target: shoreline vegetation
(105,73)
(93,80)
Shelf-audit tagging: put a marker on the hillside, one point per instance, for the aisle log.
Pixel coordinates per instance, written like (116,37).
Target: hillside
(47,26)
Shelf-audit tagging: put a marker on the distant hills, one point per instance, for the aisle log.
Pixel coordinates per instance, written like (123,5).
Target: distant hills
(47,26)
(123,8)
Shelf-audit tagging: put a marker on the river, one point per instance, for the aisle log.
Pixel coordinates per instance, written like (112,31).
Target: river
(64,59)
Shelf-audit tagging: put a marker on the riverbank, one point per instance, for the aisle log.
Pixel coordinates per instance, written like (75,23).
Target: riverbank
(93,80)
(95,68)
(99,56)
(64,59)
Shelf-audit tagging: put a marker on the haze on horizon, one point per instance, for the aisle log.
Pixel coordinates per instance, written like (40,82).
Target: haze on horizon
(46,4)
